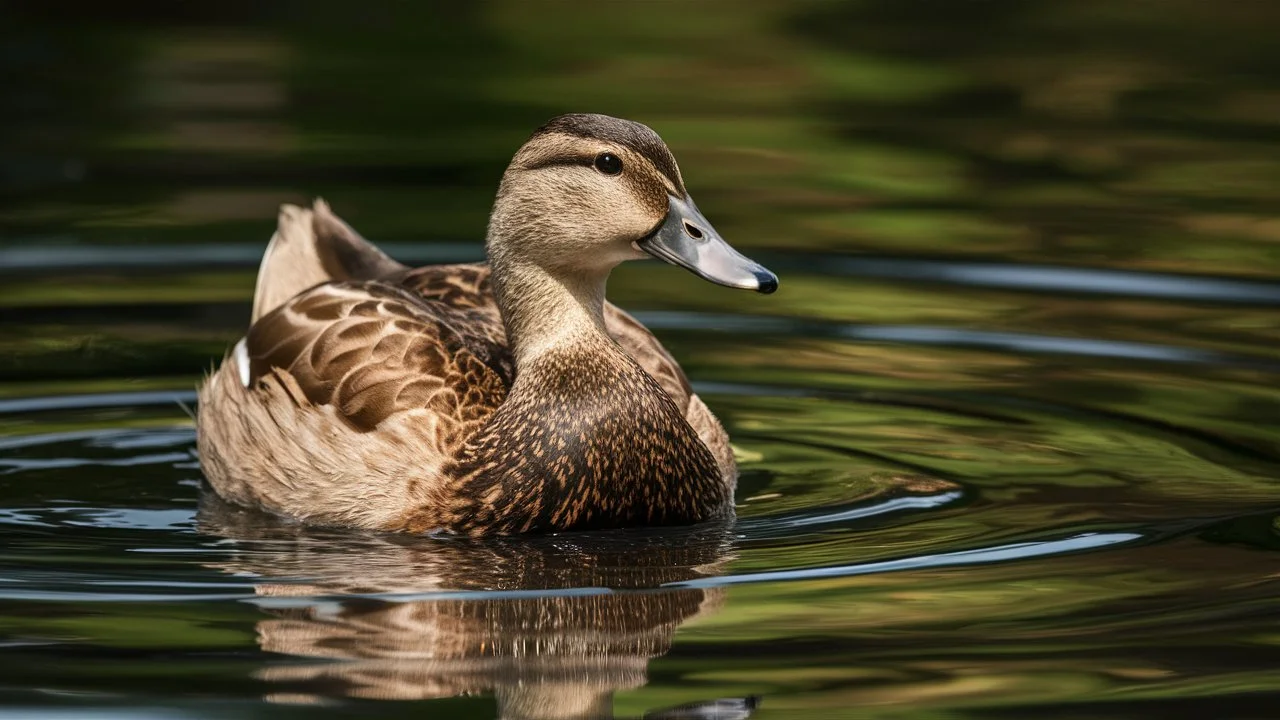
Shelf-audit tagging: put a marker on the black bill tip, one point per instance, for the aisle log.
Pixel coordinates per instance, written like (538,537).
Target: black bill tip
(768,282)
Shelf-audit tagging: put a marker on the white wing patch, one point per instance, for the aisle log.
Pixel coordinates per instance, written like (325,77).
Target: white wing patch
(241,355)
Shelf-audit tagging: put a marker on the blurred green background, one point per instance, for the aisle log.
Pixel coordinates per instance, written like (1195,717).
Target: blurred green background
(1095,133)
(1127,133)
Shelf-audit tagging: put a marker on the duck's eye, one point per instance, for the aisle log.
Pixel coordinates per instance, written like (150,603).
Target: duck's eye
(608,163)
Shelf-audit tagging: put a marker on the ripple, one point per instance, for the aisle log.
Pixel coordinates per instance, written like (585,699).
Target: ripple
(12,465)
(782,524)
(979,556)
(41,255)
(996,554)
(18,589)
(107,518)
(951,337)
(132,713)
(87,401)
(1042,279)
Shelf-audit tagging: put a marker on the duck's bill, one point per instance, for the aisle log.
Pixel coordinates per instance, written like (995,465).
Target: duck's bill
(686,239)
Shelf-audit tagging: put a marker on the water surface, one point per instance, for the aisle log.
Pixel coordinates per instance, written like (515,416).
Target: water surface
(1009,432)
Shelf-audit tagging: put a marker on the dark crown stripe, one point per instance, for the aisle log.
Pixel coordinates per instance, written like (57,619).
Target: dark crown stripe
(632,135)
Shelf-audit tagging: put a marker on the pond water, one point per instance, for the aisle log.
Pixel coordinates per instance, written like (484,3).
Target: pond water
(1009,432)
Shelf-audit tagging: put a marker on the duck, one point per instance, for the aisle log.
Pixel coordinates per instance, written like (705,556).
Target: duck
(504,397)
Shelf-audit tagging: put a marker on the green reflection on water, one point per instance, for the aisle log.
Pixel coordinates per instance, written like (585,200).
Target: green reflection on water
(1087,134)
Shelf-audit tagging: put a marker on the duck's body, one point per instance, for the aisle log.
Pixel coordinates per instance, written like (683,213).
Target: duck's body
(367,394)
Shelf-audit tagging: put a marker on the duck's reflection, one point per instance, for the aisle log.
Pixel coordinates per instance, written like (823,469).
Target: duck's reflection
(538,622)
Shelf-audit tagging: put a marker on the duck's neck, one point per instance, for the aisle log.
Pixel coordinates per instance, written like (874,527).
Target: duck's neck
(546,312)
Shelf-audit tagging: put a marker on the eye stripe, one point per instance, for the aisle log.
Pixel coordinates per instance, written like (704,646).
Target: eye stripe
(648,179)
(561,161)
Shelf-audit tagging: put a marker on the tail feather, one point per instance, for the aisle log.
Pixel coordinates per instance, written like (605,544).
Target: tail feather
(313,246)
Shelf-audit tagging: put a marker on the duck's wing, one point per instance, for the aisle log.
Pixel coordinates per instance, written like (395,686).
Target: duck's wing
(466,288)
(313,246)
(372,350)
(343,404)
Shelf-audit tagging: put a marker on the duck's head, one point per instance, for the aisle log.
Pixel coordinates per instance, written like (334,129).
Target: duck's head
(587,192)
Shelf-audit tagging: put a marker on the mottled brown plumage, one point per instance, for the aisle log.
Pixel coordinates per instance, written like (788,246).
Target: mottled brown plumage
(507,397)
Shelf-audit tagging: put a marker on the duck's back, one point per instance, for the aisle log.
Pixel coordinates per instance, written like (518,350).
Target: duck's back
(360,378)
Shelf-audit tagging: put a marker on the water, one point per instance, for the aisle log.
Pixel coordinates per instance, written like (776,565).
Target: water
(1008,431)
